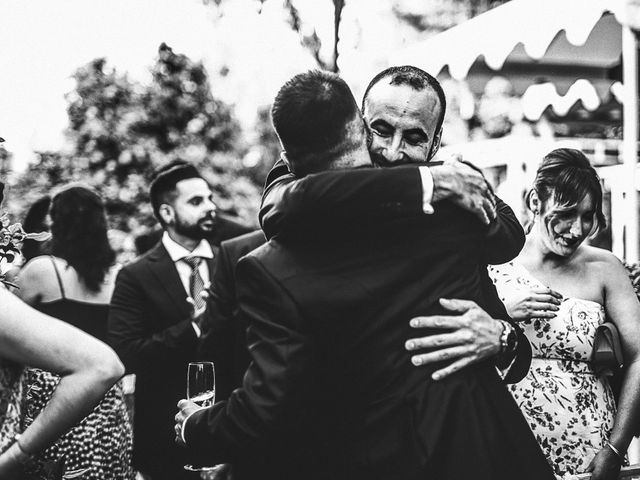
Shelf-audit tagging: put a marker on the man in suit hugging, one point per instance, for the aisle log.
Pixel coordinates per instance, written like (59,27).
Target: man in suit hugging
(331,392)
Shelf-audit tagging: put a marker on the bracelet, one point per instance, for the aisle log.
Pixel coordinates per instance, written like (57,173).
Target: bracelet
(508,338)
(615,450)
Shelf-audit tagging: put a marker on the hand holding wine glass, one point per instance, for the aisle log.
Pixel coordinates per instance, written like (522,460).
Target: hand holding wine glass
(201,383)
(201,391)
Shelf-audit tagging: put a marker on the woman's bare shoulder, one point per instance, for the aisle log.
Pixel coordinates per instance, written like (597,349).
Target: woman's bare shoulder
(603,262)
(37,280)
(42,265)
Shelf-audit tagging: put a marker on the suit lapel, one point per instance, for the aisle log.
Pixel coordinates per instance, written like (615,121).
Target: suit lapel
(165,273)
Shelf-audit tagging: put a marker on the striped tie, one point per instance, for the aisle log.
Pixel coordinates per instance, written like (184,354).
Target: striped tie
(196,284)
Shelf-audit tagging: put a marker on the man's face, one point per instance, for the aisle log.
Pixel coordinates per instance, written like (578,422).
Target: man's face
(402,122)
(194,211)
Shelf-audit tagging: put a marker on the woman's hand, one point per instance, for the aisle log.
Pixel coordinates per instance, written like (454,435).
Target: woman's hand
(605,465)
(536,303)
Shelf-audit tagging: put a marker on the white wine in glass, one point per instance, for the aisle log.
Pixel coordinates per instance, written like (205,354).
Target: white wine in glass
(201,389)
(201,383)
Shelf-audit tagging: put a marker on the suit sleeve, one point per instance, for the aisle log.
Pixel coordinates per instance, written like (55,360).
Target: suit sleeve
(357,195)
(505,237)
(131,333)
(281,351)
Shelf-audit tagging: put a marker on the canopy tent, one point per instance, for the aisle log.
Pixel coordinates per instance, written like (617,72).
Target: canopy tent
(530,42)
(554,52)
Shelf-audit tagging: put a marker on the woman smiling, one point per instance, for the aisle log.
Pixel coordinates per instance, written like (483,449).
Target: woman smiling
(561,290)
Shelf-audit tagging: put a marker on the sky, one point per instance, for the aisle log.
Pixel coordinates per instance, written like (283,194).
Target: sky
(42,42)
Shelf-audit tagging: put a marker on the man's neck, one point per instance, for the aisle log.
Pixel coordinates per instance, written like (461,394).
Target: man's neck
(354,159)
(186,242)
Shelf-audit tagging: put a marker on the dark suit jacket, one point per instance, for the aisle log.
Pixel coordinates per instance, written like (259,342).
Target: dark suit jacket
(225,341)
(343,201)
(150,329)
(331,393)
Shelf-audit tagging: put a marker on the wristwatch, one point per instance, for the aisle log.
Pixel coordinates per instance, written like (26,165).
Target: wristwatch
(508,338)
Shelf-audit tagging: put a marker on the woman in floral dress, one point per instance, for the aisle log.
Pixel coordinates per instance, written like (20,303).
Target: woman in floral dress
(560,290)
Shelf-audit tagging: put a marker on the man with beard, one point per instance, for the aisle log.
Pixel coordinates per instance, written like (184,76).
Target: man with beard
(404,108)
(330,392)
(158,310)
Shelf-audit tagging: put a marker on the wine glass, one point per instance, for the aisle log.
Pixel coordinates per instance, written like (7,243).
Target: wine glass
(201,389)
(201,383)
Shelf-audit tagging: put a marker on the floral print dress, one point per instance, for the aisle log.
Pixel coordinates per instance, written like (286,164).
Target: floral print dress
(570,410)
(11,403)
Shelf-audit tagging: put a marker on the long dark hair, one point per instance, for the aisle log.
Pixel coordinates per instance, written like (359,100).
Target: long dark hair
(79,234)
(567,177)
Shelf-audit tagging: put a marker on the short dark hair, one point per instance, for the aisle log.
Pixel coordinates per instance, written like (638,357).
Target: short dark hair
(164,182)
(415,78)
(309,114)
(79,234)
(566,176)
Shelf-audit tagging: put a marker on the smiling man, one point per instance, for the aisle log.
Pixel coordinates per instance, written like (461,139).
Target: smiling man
(405,111)
(404,108)
(158,309)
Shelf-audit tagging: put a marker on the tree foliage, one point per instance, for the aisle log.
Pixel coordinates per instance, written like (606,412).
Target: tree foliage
(121,130)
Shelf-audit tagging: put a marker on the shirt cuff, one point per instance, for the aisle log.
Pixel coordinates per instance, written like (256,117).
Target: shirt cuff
(427,189)
(196,329)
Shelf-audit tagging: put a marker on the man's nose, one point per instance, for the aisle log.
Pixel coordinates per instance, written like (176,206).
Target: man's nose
(576,228)
(210,206)
(394,151)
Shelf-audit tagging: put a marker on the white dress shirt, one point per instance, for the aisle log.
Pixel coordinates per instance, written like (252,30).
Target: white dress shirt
(177,253)
(427,189)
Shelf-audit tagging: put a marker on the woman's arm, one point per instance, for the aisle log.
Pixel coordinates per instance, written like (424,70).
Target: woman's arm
(87,366)
(623,309)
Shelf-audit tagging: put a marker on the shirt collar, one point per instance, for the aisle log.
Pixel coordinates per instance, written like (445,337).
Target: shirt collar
(177,252)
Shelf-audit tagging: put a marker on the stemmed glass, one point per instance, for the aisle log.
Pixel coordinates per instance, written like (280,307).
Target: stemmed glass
(201,389)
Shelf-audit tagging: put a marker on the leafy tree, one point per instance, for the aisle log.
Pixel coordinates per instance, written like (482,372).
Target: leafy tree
(121,130)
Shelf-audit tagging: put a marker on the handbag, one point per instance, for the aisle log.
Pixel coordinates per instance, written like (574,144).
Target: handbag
(606,356)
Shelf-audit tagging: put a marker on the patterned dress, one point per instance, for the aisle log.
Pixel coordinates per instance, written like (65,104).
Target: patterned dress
(98,448)
(570,410)
(11,402)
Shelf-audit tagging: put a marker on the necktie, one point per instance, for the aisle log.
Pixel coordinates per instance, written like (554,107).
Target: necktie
(196,284)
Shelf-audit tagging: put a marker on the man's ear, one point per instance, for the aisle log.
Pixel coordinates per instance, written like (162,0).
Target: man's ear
(436,145)
(167,214)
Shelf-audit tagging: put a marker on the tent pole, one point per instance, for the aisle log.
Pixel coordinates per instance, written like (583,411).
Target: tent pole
(630,140)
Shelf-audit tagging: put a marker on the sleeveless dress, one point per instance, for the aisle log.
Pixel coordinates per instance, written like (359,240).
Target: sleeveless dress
(570,410)
(100,445)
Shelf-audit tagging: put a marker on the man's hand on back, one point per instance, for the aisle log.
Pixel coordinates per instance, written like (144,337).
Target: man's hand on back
(472,336)
(465,186)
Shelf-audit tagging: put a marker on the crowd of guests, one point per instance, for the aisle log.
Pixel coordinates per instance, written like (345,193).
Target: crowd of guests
(383,323)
